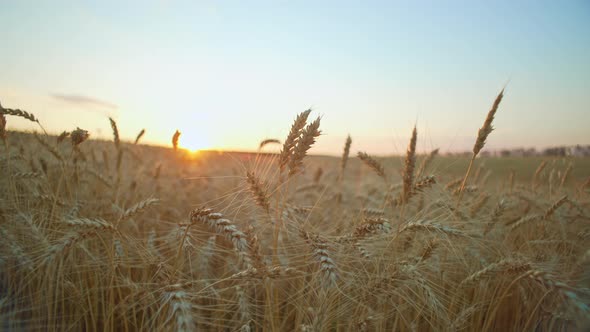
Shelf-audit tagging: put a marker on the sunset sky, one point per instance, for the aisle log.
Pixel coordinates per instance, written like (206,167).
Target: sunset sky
(228,74)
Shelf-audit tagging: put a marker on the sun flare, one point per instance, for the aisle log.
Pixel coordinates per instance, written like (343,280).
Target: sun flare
(193,142)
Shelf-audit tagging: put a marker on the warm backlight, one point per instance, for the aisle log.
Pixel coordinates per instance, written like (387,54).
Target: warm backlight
(194,142)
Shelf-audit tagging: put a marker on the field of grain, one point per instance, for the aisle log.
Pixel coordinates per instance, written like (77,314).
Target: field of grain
(120,236)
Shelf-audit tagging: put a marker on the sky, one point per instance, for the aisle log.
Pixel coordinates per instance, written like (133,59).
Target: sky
(229,74)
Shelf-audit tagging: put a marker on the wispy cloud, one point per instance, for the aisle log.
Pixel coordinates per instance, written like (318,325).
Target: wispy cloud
(80,100)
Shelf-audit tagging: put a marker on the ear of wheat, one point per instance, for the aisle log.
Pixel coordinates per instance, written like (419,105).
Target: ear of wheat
(139,136)
(62,136)
(538,172)
(116,138)
(304,143)
(482,136)
(78,136)
(3,128)
(373,164)
(258,191)
(487,128)
(292,138)
(175,138)
(410,164)
(50,148)
(345,155)
(20,113)
(268,141)
(426,161)
(226,228)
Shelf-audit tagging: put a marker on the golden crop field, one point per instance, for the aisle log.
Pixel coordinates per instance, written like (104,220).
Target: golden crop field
(120,236)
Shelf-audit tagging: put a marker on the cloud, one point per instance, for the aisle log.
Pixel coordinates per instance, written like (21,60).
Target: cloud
(80,100)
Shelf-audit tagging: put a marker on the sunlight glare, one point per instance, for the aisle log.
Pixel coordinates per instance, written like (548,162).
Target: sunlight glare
(194,142)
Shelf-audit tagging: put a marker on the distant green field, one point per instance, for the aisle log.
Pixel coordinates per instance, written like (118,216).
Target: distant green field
(501,167)
(523,167)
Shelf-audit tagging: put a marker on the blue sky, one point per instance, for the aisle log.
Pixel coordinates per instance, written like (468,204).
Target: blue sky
(229,74)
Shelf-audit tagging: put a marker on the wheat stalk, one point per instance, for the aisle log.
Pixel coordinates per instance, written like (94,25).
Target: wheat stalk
(258,191)
(345,155)
(479,204)
(498,211)
(223,227)
(180,309)
(116,138)
(27,175)
(78,136)
(482,136)
(272,272)
(138,208)
(62,136)
(371,226)
(321,252)
(538,173)
(17,251)
(418,187)
(505,265)
(551,210)
(428,250)
(101,178)
(409,165)
(548,213)
(254,245)
(98,224)
(430,226)
(139,136)
(50,148)
(291,141)
(317,177)
(452,184)
(427,161)
(565,176)
(20,113)
(373,164)
(525,220)
(243,308)
(268,141)
(372,213)
(66,243)
(175,140)
(3,134)
(304,143)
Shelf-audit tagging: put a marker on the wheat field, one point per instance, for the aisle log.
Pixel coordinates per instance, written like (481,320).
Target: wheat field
(121,236)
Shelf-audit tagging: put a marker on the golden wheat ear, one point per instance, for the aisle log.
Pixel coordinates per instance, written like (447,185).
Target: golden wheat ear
(292,138)
(427,161)
(20,113)
(267,141)
(258,191)
(116,138)
(304,143)
(175,138)
(487,128)
(372,163)
(3,134)
(345,155)
(78,136)
(139,136)
(409,165)
(482,136)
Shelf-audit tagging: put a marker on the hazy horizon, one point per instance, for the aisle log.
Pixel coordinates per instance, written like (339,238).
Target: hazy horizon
(229,74)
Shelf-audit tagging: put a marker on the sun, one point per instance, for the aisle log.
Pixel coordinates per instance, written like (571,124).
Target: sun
(194,142)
